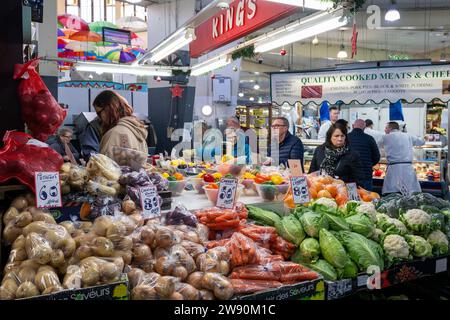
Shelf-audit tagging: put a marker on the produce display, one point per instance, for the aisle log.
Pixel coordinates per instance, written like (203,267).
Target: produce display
(425,171)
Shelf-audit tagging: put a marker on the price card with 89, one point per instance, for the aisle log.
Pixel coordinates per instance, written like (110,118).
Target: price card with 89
(300,191)
(353,192)
(48,191)
(149,202)
(227,193)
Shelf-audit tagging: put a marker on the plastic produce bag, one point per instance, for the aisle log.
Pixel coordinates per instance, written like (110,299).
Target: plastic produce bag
(180,215)
(21,160)
(129,157)
(40,111)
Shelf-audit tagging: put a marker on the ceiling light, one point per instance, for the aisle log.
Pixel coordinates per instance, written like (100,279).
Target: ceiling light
(256,87)
(315,41)
(303,29)
(175,41)
(342,54)
(392,14)
(134,1)
(210,65)
(310,4)
(120,69)
(251,99)
(241,94)
(207,110)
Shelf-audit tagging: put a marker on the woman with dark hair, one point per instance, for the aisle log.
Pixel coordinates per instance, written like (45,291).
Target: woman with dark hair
(119,127)
(335,158)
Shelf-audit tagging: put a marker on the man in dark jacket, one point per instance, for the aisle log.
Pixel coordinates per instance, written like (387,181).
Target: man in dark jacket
(290,147)
(368,151)
(90,139)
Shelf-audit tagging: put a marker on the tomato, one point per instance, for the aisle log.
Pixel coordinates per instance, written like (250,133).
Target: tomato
(212,186)
(208,178)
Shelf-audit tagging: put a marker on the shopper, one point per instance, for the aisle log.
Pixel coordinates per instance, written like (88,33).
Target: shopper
(334,116)
(368,151)
(233,122)
(63,146)
(289,146)
(377,135)
(120,128)
(400,174)
(335,157)
(90,139)
(240,145)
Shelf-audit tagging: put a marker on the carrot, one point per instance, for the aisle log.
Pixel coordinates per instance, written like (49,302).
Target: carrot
(301,276)
(223,225)
(241,286)
(225,217)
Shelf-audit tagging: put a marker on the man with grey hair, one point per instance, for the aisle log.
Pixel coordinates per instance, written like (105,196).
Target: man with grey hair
(63,146)
(368,151)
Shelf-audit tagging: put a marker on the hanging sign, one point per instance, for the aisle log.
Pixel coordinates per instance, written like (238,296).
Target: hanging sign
(352,190)
(149,202)
(240,19)
(300,193)
(227,193)
(378,84)
(48,189)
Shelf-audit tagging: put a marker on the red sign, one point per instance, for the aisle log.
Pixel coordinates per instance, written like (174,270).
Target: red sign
(242,18)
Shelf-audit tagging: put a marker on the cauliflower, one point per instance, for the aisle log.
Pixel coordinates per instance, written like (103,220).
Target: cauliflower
(381,217)
(417,220)
(391,225)
(368,208)
(396,247)
(419,246)
(377,235)
(439,242)
(330,203)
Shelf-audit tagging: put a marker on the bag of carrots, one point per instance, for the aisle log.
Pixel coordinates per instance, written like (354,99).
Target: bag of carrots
(243,250)
(282,247)
(244,286)
(222,219)
(263,236)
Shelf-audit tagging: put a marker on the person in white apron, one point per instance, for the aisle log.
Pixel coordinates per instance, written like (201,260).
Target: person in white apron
(400,173)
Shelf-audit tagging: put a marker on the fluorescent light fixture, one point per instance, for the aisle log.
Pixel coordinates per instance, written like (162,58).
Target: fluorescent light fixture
(134,1)
(310,4)
(210,65)
(175,41)
(241,94)
(342,54)
(256,87)
(120,69)
(301,30)
(392,14)
(251,99)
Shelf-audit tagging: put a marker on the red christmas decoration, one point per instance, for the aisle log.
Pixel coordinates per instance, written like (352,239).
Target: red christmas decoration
(177,91)
(354,41)
(283,52)
(158,79)
(213,76)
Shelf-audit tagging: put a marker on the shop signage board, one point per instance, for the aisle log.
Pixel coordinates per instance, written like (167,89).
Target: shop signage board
(226,197)
(242,18)
(150,202)
(47,189)
(376,84)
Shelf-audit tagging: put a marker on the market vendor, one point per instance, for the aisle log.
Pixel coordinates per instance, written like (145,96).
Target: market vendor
(398,147)
(335,157)
(334,116)
(120,127)
(289,147)
(63,146)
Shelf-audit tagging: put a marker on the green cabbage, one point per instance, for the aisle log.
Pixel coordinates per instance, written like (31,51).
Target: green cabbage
(350,270)
(419,246)
(309,251)
(337,223)
(332,250)
(364,252)
(362,224)
(290,229)
(324,268)
(312,223)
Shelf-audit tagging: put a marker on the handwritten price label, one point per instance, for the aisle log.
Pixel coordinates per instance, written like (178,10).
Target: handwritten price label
(296,167)
(48,189)
(353,192)
(150,202)
(300,191)
(226,196)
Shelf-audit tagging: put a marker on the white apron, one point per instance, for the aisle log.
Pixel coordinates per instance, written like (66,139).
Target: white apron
(401,176)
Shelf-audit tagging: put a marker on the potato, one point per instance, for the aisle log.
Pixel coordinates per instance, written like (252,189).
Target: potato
(19,243)
(102,247)
(10,215)
(223,267)
(39,227)
(46,278)
(78,233)
(8,292)
(212,280)
(138,219)
(84,239)
(53,289)
(72,279)
(11,233)
(68,247)
(26,290)
(10,282)
(191,236)
(180,273)
(189,292)
(165,286)
(83,251)
(126,244)
(109,272)
(26,274)
(23,219)
(12,267)
(116,231)
(128,206)
(86,226)
(57,258)
(160,252)
(30,264)
(203,233)
(144,292)
(101,225)
(141,253)
(219,253)
(176,296)
(129,223)
(195,279)
(147,235)
(136,276)
(164,237)
(223,292)
(127,256)
(206,295)
(194,249)
(118,261)
(17,255)
(69,226)
(90,273)
(56,236)
(38,248)
(165,266)
(39,215)
(19,203)
(148,266)
(31,199)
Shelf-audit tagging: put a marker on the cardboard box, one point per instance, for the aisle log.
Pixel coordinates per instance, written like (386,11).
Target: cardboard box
(307,290)
(112,291)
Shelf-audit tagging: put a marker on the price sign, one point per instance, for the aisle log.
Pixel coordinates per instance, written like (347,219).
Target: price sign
(353,192)
(296,167)
(226,196)
(300,191)
(149,202)
(339,289)
(48,189)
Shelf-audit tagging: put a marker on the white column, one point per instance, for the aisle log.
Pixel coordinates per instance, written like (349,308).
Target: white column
(47,32)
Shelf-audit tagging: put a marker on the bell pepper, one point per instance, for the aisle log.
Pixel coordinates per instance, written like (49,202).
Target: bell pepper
(201,174)
(208,178)
(217,175)
(166,175)
(276,179)
(212,186)
(178,176)
(261,178)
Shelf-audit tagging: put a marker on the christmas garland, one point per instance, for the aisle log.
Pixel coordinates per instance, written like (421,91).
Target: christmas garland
(353,5)
(247,52)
